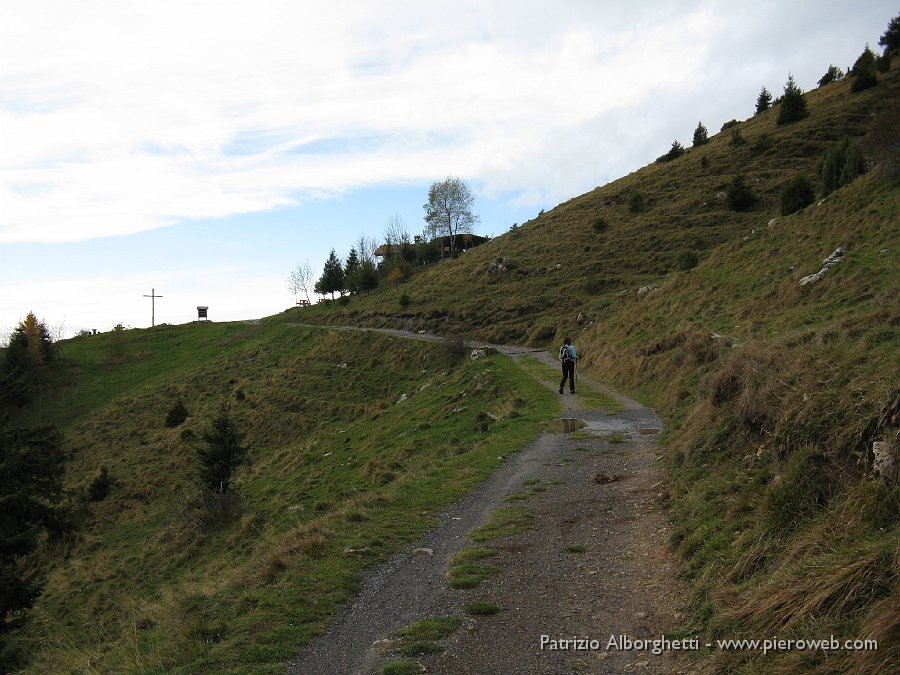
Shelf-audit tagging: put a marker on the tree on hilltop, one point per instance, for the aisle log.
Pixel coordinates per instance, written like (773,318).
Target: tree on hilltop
(891,38)
(25,359)
(701,135)
(833,74)
(301,281)
(676,151)
(449,210)
(863,71)
(793,105)
(332,279)
(351,271)
(763,101)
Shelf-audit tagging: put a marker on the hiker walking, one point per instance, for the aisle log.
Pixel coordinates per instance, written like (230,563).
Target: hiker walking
(567,358)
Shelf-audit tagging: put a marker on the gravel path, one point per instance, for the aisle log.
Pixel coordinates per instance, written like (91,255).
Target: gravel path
(594,566)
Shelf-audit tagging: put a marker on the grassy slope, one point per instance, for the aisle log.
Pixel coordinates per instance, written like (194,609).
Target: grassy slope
(782,526)
(342,475)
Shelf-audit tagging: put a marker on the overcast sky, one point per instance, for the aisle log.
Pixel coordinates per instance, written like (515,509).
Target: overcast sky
(204,148)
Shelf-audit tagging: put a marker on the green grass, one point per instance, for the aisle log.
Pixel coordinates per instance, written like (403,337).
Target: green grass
(423,637)
(468,569)
(576,548)
(756,478)
(400,667)
(337,464)
(588,397)
(481,608)
(591,399)
(504,522)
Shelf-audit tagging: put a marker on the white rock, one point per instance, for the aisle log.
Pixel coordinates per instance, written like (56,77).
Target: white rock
(886,464)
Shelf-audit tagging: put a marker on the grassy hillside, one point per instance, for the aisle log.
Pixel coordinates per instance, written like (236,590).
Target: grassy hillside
(161,576)
(774,395)
(775,391)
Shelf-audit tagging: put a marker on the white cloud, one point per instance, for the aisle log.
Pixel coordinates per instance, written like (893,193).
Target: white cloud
(121,117)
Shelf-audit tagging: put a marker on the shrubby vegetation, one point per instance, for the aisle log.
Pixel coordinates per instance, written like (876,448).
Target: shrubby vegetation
(796,194)
(737,137)
(739,196)
(833,74)
(688,260)
(177,414)
(637,202)
(840,164)
(676,151)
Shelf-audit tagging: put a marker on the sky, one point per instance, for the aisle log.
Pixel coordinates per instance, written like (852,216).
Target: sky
(201,149)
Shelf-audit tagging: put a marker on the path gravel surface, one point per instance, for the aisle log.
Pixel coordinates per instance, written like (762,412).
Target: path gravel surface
(594,568)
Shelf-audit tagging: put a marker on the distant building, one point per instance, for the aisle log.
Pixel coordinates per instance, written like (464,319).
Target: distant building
(463,243)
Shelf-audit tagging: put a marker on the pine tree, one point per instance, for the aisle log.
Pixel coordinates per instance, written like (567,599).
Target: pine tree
(763,101)
(332,280)
(793,105)
(31,340)
(368,276)
(24,362)
(701,135)
(863,71)
(351,271)
(891,38)
(32,463)
(223,454)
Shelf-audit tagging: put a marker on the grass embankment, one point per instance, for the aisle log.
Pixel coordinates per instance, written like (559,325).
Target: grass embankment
(774,392)
(342,473)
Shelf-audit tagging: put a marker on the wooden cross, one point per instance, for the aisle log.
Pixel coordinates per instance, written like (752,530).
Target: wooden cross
(153,296)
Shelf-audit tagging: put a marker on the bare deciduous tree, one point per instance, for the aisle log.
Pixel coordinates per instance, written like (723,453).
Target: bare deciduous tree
(301,280)
(365,249)
(396,236)
(57,333)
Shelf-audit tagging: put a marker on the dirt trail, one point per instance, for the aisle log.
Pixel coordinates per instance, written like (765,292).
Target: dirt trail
(594,566)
